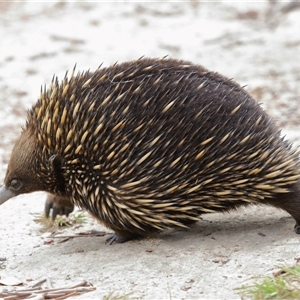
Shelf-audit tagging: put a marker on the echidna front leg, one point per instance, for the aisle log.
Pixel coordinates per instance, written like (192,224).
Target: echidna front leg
(59,206)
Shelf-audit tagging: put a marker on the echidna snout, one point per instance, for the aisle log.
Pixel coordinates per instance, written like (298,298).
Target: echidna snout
(152,144)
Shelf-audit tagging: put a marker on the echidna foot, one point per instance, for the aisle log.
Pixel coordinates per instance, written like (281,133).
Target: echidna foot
(58,205)
(120,238)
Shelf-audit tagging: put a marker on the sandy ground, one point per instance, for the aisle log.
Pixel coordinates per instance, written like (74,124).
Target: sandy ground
(249,42)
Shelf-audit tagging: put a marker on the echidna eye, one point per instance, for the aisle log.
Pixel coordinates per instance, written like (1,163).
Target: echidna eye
(15,184)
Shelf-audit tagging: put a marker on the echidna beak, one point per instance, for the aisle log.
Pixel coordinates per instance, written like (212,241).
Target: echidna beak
(5,194)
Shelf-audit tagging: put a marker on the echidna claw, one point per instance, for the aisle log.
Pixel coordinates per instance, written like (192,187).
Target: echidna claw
(117,238)
(58,205)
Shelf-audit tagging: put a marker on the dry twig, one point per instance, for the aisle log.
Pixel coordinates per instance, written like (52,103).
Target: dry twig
(55,293)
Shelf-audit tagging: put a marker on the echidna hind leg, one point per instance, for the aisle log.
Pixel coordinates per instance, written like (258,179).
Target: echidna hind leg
(290,202)
(292,206)
(295,213)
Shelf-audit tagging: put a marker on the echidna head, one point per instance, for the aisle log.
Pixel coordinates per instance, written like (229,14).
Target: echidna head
(21,176)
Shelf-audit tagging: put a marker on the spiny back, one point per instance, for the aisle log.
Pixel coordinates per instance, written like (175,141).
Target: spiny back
(159,135)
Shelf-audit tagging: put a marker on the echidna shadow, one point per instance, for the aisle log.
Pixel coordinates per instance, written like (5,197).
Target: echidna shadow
(248,231)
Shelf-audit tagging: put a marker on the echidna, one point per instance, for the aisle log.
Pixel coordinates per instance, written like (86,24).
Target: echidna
(152,144)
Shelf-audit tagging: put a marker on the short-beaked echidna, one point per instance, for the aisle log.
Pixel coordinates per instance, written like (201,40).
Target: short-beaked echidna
(152,144)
